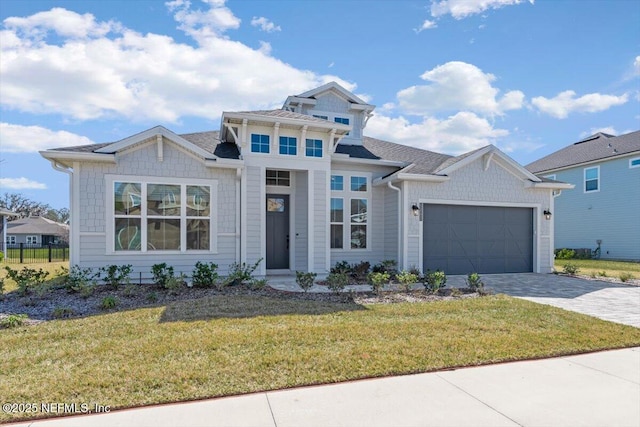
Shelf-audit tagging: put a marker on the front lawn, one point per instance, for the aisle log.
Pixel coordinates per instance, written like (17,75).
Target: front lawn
(601,267)
(230,344)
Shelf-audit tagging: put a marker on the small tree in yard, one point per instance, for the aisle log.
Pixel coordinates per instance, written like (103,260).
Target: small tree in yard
(377,281)
(305,280)
(434,281)
(336,282)
(406,279)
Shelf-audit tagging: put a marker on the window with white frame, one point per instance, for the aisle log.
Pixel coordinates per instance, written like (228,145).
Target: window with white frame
(153,216)
(554,192)
(278,178)
(259,143)
(349,212)
(313,148)
(634,163)
(592,179)
(11,240)
(288,145)
(32,240)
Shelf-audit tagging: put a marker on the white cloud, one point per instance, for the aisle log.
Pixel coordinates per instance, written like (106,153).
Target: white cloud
(454,135)
(566,102)
(608,129)
(21,184)
(462,8)
(426,25)
(31,139)
(457,86)
(143,77)
(265,25)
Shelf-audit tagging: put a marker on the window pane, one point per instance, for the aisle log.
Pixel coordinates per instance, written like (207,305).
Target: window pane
(127,198)
(279,178)
(337,182)
(591,185)
(259,143)
(127,234)
(336,236)
(163,199)
(358,236)
(275,204)
(337,210)
(198,234)
(288,145)
(358,183)
(163,234)
(358,211)
(591,173)
(635,162)
(198,200)
(313,148)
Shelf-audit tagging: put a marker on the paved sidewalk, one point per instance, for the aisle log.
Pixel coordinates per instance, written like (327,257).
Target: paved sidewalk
(597,389)
(618,303)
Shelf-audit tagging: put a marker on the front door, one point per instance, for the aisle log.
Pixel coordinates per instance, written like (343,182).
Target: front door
(277,231)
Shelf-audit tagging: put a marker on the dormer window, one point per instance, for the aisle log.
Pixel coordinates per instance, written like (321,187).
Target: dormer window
(319,116)
(342,120)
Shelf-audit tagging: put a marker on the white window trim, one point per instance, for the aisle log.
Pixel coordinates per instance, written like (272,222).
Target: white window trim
(144,180)
(11,240)
(337,223)
(32,240)
(287,155)
(635,159)
(347,195)
(584,180)
(269,144)
(322,148)
(554,193)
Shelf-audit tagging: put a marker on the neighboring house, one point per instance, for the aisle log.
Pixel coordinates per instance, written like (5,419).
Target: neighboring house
(605,206)
(36,231)
(302,188)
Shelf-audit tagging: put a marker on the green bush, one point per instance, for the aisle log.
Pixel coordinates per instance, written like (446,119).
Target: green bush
(1,288)
(174,283)
(474,282)
(80,280)
(570,269)
(602,273)
(377,281)
(27,278)
(162,274)
(565,253)
(241,273)
(386,266)
(360,271)
(305,280)
(342,267)
(116,275)
(626,276)
(108,302)
(406,279)
(13,320)
(336,282)
(62,312)
(205,275)
(257,284)
(434,281)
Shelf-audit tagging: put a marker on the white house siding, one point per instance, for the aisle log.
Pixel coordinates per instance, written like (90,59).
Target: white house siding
(321,233)
(329,102)
(611,214)
(495,186)
(255,208)
(391,206)
(301,210)
(142,161)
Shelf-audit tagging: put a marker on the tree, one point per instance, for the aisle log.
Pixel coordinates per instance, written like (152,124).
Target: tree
(58,215)
(22,206)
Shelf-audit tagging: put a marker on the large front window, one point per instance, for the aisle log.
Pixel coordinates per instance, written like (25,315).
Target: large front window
(349,211)
(151,216)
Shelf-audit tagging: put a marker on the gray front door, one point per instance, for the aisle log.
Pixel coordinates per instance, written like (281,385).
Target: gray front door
(277,231)
(480,239)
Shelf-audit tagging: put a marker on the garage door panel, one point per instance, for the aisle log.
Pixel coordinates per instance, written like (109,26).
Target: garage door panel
(478,239)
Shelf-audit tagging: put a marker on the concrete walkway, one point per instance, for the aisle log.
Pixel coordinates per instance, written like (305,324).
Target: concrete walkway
(597,389)
(618,303)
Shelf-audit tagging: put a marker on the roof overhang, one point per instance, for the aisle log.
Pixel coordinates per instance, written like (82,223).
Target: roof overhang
(550,185)
(66,158)
(590,162)
(311,125)
(345,158)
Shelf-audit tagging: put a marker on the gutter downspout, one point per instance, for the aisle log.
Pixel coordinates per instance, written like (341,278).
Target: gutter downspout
(69,171)
(399,249)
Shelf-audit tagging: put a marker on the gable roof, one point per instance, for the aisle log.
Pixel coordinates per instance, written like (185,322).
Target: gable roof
(332,86)
(600,146)
(36,225)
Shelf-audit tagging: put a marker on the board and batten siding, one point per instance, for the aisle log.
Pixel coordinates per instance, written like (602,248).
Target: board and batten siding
(475,186)
(255,207)
(301,257)
(611,214)
(321,219)
(142,159)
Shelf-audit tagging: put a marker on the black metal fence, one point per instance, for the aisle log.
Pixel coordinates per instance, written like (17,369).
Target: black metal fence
(25,254)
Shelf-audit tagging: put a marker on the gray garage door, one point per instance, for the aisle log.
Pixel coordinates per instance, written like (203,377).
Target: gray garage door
(465,239)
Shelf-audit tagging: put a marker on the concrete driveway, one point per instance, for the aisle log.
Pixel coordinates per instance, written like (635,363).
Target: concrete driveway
(618,303)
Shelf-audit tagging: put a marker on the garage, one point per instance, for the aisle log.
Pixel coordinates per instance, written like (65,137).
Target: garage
(484,239)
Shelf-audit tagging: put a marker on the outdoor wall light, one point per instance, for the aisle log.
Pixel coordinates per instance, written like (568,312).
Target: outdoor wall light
(547,214)
(415,209)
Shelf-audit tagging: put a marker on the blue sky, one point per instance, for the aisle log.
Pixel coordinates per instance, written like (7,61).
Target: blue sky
(445,75)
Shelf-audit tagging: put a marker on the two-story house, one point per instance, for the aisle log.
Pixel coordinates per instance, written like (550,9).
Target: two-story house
(604,208)
(302,188)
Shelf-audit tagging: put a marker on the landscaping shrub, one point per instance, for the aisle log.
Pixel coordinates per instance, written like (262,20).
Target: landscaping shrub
(205,275)
(565,253)
(342,267)
(162,274)
(386,266)
(474,282)
(377,281)
(62,312)
(116,275)
(1,288)
(241,273)
(80,280)
(257,284)
(360,271)
(625,276)
(108,302)
(570,269)
(174,283)
(336,282)
(434,281)
(13,320)
(602,273)
(305,280)
(406,279)
(27,278)
(130,291)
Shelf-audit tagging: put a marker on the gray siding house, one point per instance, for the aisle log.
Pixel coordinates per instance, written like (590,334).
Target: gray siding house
(604,208)
(35,231)
(302,188)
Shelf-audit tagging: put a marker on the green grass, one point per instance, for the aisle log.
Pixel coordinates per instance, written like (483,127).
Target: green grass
(37,254)
(227,345)
(596,266)
(53,268)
